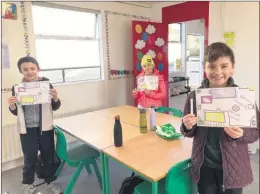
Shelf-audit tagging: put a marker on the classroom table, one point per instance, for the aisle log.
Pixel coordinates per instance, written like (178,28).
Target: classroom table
(130,114)
(96,131)
(149,156)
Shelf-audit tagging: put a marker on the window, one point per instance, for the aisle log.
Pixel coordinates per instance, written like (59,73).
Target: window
(67,42)
(175,47)
(193,47)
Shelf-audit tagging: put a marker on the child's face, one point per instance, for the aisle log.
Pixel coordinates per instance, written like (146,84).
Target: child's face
(148,68)
(219,71)
(30,71)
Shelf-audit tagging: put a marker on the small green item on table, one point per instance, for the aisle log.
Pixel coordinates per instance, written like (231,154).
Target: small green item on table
(167,131)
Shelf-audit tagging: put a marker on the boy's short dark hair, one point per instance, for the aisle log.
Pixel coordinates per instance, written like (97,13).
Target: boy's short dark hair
(216,50)
(27,59)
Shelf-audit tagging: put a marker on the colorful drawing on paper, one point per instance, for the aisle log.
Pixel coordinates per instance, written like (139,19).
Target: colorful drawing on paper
(222,107)
(9,11)
(33,93)
(147,82)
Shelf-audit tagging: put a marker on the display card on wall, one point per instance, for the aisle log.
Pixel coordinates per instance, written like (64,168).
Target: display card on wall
(9,11)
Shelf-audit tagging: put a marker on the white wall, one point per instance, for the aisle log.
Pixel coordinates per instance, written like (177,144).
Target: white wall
(226,17)
(77,96)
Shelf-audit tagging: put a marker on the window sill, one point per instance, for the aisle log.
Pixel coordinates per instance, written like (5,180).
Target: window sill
(78,82)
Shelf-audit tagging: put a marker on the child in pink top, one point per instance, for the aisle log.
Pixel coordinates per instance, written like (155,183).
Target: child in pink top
(147,98)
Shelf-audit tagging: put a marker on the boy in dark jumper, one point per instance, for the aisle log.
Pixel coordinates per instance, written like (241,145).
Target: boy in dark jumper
(220,158)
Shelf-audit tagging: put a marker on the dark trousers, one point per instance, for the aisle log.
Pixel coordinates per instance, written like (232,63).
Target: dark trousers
(211,181)
(31,142)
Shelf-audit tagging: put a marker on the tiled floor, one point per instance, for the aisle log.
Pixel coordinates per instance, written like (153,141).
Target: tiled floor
(86,184)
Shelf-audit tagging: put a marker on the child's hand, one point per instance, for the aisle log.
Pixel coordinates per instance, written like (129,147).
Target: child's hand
(54,95)
(11,101)
(147,92)
(234,132)
(189,121)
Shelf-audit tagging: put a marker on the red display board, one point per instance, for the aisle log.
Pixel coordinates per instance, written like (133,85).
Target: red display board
(151,38)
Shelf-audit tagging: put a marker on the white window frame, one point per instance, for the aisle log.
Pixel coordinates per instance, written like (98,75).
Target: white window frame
(98,36)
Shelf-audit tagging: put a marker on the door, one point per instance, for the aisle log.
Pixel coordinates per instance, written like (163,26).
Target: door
(194,59)
(151,38)
(188,11)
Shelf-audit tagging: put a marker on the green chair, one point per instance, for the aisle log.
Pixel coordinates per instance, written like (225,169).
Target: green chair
(173,111)
(178,181)
(77,156)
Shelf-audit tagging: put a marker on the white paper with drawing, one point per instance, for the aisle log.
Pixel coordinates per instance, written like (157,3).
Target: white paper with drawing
(29,93)
(222,107)
(147,82)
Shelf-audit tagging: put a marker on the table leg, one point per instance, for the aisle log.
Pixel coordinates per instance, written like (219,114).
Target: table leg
(155,188)
(103,174)
(106,168)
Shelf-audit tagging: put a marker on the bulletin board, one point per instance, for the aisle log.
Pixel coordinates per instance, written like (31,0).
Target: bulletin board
(119,37)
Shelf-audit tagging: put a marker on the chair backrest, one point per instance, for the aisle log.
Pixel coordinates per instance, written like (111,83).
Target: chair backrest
(61,144)
(179,179)
(173,111)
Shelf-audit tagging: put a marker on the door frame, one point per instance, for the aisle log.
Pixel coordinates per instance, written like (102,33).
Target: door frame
(188,11)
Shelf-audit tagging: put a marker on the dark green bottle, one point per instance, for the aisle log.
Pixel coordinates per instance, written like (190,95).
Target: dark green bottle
(118,136)
(143,121)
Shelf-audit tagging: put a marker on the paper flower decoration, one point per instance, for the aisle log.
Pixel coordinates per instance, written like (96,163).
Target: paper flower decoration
(151,53)
(160,56)
(160,67)
(140,44)
(144,36)
(138,28)
(140,55)
(151,40)
(159,42)
(150,29)
(138,66)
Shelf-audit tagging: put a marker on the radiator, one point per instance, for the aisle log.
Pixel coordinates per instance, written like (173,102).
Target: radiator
(11,146)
